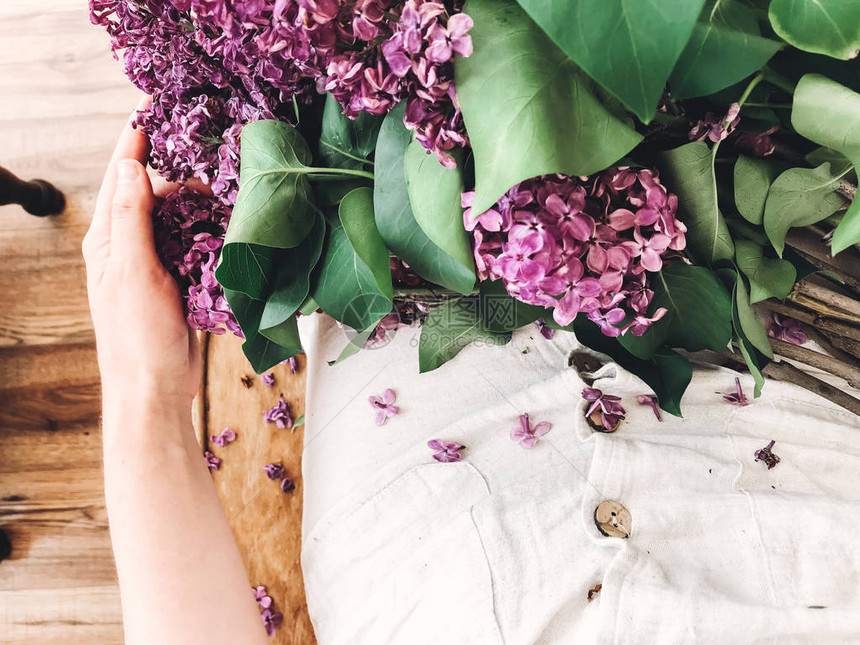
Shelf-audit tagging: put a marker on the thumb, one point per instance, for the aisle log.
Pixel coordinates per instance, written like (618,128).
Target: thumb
(131,213)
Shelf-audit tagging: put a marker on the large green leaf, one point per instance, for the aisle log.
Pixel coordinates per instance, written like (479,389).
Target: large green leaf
(829,114)
(394,218)
(292,278)
(356,216)
(247,268)
(434,193)
(628,46)
(345,142)
(753,358)
(262,352)
(800,197)
(830,27)
(346,288)
(528,109)
(667,373)
(449,328)
(699,307)
(748,320)
(769,277)
(274,206)
(753,178)
(689,172)
(726,46)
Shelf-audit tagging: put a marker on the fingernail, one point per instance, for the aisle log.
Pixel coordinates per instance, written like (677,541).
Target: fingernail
(127,170)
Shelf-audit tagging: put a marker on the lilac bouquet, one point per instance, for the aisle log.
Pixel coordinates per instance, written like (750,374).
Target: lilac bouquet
(478,167)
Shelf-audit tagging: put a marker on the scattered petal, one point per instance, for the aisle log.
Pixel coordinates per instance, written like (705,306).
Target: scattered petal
(384,405)
(766,455)
(650,399)
(212,461)
(526,435)
(287,485)
(594,591)
(268,379)
(605,412)
(446,451)
(247,381)
(271,620)
(227,436)
(787,329)
(737,397)
(279,414)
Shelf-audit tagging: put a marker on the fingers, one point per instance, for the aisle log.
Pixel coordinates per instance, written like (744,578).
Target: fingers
(131,238)
(132,144)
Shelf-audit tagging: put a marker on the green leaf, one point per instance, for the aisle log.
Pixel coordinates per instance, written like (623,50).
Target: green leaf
(753,178)
(449,328)
(688,171)
(769,277)
(528,109)
(434,193)
(752,358)
(346,287)
(394,217)
(747,318)
(800,197)
(830,27)
(356,215)
(501,312)
(353,346)
(292,280)
(345,142)
(829,114)
(262,352)
(628,46)
(274,206)
(699,307)
(667,373)
(299,420)
(726,46)
(247,268)
(652,341)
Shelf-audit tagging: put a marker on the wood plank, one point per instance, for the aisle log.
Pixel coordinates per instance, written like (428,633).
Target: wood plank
(265,521)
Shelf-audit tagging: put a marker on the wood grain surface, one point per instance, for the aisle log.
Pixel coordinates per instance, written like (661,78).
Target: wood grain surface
(63,101)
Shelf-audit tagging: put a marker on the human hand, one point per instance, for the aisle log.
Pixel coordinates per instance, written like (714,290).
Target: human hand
(145,347)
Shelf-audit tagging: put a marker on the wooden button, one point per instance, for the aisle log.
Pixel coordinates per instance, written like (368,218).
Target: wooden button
(612,519)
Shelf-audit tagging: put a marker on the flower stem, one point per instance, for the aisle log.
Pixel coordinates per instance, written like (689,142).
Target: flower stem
(307,170)
(775,78)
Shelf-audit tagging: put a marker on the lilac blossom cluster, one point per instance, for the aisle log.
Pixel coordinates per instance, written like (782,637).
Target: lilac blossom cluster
(581,244)
(189,233)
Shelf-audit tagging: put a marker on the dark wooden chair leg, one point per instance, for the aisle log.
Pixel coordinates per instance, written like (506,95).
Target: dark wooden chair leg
(38,197)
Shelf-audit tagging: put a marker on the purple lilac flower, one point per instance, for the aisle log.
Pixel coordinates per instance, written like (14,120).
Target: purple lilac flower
(279,414)
(545,330)
(189,232)
(287,485)
(446,451)
(760,144)
(716,129)
(261,595)
(384,406)
(293,362)
(268,379)
(737,397)
(766,455)
(581,245)
(212,461)
(650,399)
(271,620)
(526,435)
(274,471)
(787,329)
(227,435)
(606,407)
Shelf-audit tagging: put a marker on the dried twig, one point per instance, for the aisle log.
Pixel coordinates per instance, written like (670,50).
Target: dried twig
(850,371)
(812,247)
(782,371)
(824,342)
(816,296)
(822,323)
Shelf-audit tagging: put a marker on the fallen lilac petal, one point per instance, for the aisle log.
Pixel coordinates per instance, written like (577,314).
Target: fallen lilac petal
(227,435)
(271,620)
(787,329)
(650,399)
(287,485)
(527,435)
(279,414)
(446,451)
(247,381)
(268,379)
(766,455)
(213,462)
(274,471)
(384,405)
(737,397)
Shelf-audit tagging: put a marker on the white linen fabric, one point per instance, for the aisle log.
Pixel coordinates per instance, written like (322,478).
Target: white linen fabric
(502,547)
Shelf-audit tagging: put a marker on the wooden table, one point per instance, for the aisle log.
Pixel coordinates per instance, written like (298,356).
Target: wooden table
(62,104)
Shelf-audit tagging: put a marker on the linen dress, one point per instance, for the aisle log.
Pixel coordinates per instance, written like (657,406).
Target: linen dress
(503,547)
